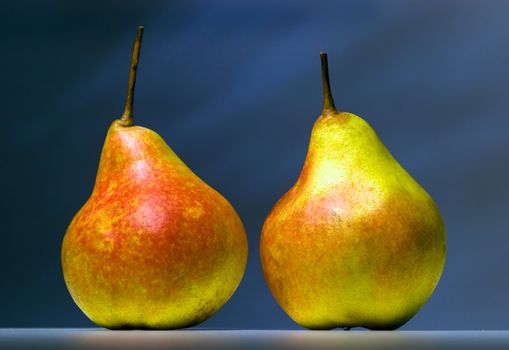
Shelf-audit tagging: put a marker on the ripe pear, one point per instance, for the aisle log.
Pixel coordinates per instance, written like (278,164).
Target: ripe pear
(356,242)
(154,247)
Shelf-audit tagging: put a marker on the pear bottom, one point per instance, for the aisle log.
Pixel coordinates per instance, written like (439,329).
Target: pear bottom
(150,296)
(384,325)
(143,301)
(323,283)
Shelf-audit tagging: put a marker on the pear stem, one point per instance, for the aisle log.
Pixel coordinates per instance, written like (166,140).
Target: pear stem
(127,116)
(328,100)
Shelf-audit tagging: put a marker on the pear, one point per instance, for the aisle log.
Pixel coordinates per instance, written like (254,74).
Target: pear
(154,247)
(356,242)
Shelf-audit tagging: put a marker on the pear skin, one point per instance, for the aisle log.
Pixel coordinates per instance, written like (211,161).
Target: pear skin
(356,242)
(154,247)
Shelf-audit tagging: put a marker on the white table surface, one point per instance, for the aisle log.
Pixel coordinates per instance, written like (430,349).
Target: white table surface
(90,338)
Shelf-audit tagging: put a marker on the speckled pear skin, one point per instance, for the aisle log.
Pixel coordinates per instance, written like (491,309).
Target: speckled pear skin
(356,242)
(154,246)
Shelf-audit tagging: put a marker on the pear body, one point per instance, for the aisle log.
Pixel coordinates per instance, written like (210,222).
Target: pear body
(154,246)
(356,242)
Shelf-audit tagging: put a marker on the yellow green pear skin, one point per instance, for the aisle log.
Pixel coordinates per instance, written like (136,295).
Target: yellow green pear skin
(356,242)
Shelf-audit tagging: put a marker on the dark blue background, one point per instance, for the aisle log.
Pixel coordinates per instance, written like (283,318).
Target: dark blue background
(234,88)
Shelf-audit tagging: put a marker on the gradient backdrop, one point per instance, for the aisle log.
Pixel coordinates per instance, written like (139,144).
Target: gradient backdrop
(234,88)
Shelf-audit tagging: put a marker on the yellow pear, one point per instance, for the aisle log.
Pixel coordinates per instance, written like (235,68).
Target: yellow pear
(154,247)
(356,242)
